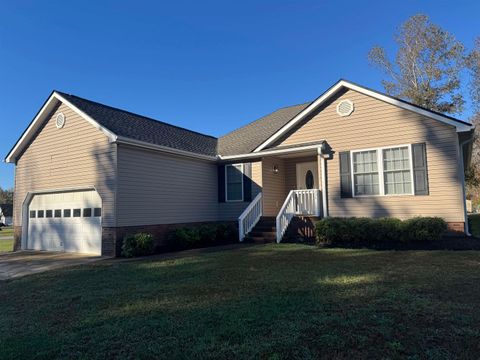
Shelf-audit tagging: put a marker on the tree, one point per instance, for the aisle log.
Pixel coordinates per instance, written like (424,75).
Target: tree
(427,67)
(473,63)
(6,196)
(472,177)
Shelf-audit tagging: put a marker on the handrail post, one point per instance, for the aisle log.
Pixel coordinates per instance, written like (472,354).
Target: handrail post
(251,215)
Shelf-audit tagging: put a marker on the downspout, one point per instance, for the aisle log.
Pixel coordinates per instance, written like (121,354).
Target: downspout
(462,169)
(324,153)
(324,186)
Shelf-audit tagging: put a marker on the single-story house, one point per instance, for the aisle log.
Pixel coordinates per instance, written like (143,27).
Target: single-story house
(87,174)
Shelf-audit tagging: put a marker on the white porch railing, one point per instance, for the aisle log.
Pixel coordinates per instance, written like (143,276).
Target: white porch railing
(298,202)
(250,217)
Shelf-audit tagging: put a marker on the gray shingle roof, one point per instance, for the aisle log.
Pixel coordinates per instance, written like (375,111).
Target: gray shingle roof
(250,136)
(138,127)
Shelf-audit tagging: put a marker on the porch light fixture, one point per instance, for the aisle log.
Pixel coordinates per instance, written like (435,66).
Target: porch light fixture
(275,169)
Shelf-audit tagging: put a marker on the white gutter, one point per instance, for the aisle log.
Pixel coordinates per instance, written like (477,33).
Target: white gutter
(272,152)
(145,145)
(462,169)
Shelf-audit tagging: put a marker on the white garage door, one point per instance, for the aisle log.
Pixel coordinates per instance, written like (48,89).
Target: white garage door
(68,221)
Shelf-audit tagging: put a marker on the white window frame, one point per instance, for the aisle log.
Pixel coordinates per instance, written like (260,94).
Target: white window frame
(226,182)
(381,178)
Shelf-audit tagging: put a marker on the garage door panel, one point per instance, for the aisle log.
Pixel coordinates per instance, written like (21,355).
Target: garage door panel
(72,228)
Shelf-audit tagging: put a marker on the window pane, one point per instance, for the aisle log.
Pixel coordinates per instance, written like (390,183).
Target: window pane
(58,213)
(234,182)
(365,169)
(366,184)
(234,192)
(67,212)
(396,167)
(76,212)
(87,212)
(97,212)
(396,159)
(49,213)
(32,214)
(40,213)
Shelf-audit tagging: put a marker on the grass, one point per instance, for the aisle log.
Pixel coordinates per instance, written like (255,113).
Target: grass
(474,224)
(6,231)
(6,245)
(270,302)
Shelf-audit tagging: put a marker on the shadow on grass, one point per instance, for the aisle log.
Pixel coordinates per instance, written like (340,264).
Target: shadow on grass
(269,302)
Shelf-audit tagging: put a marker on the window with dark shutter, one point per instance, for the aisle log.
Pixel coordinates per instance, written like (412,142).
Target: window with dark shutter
(234,182)
(345,175)
(247,182)
(420,171)
(221,183)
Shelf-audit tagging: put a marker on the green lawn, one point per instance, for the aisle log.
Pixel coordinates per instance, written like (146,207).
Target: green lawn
(6,231)
(6,245)
(271,302)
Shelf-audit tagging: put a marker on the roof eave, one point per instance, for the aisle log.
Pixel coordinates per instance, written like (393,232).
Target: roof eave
(258,154)
(38,120)
(34,125)
(169,150)
(459,125)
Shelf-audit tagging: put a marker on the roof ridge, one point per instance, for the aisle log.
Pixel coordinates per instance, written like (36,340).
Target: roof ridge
(262,117)
(135,114)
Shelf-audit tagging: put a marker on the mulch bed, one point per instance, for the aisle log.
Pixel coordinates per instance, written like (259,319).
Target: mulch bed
(447,243)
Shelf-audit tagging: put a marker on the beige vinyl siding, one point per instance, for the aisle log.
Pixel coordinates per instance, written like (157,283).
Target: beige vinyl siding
(230,211)
(76,156)
(377,124)
(274,190)
(257,178)
(159,188)
(277,186)
(291,171)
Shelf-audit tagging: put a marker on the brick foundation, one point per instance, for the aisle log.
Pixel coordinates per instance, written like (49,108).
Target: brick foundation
(456,228)
(112,237)
(17,238)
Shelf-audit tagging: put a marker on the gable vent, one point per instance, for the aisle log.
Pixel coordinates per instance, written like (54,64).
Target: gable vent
(60,121)
(345,108)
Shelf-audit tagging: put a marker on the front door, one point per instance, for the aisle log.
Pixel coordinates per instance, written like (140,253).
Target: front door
(307,176)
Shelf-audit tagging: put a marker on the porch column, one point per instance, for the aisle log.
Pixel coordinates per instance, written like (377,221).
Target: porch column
(322,174)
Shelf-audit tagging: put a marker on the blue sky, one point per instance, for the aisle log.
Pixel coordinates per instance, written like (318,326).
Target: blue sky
(210,66)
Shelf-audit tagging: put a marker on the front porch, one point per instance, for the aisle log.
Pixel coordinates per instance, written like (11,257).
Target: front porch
(287,189)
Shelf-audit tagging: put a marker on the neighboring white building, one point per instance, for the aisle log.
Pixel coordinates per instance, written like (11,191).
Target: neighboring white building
(2,218)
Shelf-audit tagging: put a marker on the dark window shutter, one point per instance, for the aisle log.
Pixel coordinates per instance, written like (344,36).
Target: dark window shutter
(221,183)
(345,175)
(420,173)
(247,182)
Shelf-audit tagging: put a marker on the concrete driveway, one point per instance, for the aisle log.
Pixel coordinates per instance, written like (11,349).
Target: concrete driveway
(21,263)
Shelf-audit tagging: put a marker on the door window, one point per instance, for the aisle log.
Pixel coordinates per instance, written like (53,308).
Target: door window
(309,180)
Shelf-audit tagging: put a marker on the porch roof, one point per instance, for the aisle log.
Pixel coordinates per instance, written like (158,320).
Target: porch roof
(310,148)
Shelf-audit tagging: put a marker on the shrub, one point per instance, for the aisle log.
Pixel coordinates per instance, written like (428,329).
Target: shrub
(387,229)
(226,233)
(203,235)
(208,234)
(184,238)
(137,245)
(424,229)
(350,231)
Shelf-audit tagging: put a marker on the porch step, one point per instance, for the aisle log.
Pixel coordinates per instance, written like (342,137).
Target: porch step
(263,232)
(257,240)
